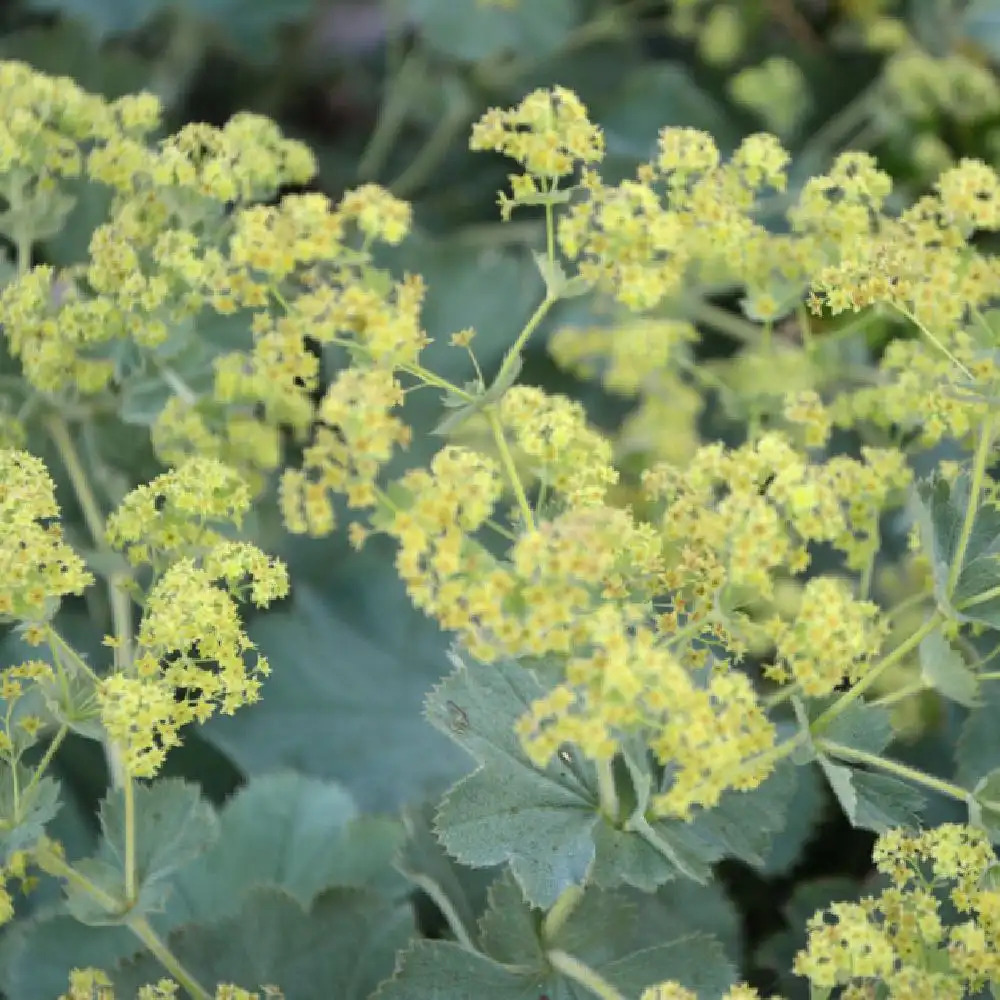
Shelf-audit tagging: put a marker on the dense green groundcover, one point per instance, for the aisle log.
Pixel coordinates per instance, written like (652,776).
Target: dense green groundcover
(562,701)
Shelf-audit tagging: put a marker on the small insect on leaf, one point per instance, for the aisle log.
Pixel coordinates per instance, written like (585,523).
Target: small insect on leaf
(458,717)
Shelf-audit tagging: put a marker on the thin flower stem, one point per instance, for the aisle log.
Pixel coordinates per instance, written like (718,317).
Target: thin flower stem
(972,508)
(56,865)
(142,929)
(579,972)
(63,441)
(721,319)
(907,604)
(42,765)
(946,788)
(607,793)
(440,899)
(428,158)
(128,791)
(986,595)
(638,824)
(560,911)
(511,357)
(507,460)
(924,329)
(779,697)
(900,652)
(910,691)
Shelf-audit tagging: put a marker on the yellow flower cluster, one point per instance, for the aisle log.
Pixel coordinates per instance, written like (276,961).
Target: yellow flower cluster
(740,516)
(190,659)
(833,637)
(357,435)
(674,991)
(93,984)
(639,243)
(168,517)
(551,433)
(37,567)
(191,654)
(44,122)
(902,936)
(548,133)
(19,729)
(14,867)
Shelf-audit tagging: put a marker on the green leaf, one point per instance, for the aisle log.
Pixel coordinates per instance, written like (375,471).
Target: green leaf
(37,955)
(944,669)
(473,32)
(541,822)
(252,26)
(940,513)
(873,801)
(173,825)
(351,661)
(977,751)
(509,929)
(861,726)
(984,805)
(292,832)
(621,939)
(24,814)
(804,812)
(546,823)
(104,18)
(424,862)
(342,947)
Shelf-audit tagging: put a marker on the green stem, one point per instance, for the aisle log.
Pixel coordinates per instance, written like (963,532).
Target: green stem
(120,602)
(431,153)
(573,968)
(917,687)
(638,824)
(837,128)
(50,752)
(54,864)
(899,653)
(427,376)
(907,604)
(720,319)
(399,97)
(986,595)
(128,791)
(512,356)
(972,507)
(507,460)
(925,330)
(60,434)
(560,912)
(440,899)
(141,928)
(843,752)
(607,793)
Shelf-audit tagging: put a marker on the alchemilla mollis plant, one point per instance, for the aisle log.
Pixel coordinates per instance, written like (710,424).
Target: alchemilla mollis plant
(649,649)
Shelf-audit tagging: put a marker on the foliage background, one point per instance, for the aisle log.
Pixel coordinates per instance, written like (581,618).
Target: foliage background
(387,92)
